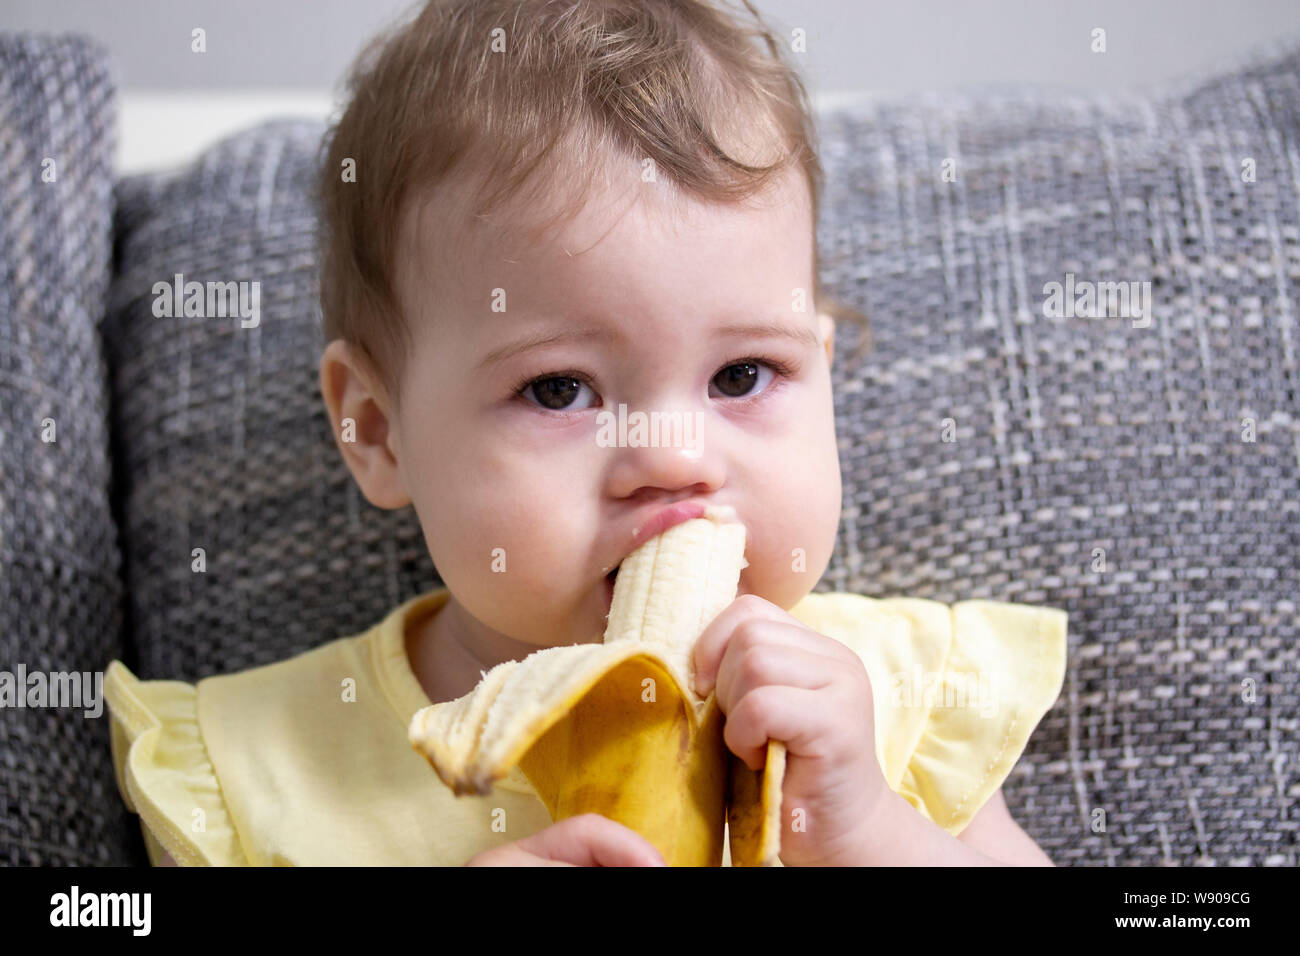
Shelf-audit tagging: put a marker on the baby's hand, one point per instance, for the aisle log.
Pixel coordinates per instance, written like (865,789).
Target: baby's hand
(777,679)
(585,840)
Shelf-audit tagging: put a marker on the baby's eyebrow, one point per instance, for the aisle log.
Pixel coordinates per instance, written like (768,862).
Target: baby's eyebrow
(768,328)
(537,340)
(771,329)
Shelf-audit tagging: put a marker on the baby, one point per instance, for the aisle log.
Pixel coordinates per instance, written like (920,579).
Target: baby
(541,218)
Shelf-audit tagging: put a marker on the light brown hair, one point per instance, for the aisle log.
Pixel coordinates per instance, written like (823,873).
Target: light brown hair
(505,87)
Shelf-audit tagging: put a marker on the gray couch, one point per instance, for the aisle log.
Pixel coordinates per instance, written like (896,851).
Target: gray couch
(1142,475)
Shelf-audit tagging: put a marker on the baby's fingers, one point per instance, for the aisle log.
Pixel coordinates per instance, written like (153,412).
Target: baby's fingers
(592,840)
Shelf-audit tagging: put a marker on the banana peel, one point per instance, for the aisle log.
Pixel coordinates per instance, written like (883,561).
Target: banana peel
(616,728)
(754,808)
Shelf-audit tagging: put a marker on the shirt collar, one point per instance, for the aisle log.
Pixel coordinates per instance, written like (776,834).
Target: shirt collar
(400,685)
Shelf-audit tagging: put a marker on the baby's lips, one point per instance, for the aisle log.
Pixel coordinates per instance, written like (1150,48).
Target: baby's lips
(720,513)
(674,515)
(664,519)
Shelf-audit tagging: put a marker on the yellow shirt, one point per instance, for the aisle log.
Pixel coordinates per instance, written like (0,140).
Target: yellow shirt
(306,761)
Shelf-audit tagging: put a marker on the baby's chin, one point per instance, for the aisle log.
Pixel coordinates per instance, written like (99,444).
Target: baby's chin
(591,616)
(587,622)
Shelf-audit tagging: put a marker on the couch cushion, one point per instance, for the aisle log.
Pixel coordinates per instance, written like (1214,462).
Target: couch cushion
(1071,434)
(223,431)
(60,585)
(1100,465)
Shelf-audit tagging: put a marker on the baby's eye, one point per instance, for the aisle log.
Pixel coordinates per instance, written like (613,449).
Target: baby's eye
(556,393)
(738,380)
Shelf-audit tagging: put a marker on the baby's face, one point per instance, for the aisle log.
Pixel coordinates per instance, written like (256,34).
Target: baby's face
(524,500)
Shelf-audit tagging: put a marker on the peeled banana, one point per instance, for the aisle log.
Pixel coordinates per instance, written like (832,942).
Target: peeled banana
(617,728)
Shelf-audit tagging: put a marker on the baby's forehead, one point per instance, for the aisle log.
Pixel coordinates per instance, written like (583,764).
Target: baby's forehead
(570,213)
(474,206)
(453,223)
(602,243)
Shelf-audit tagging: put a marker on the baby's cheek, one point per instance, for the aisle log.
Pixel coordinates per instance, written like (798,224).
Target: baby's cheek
(524,589)
(785,578)
(799,540)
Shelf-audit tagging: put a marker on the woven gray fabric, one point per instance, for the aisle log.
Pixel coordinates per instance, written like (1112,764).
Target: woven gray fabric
(223,431)
(1072,434)
(60,585)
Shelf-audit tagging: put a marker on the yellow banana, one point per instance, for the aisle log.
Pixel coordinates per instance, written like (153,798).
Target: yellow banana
(617,728)
(754,809)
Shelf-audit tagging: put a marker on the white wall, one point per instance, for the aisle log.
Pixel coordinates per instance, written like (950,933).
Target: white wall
(275,56)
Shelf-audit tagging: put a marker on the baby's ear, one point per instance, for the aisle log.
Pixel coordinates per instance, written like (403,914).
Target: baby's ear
(359,417)
(827,325)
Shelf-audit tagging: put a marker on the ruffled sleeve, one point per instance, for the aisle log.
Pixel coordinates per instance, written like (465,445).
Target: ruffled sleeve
(1003,671)
(164,773)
